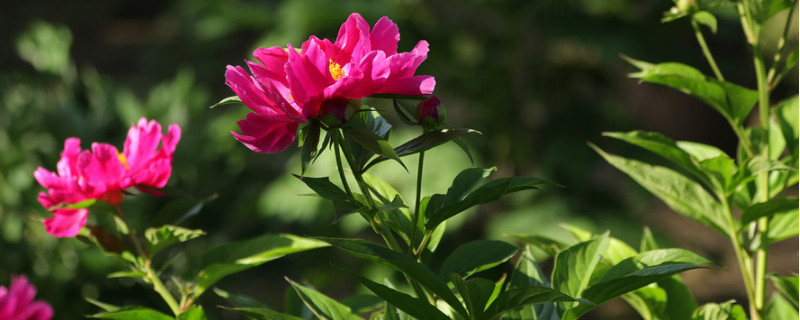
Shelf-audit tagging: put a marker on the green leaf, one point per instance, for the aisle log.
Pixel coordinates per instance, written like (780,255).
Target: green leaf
(464,182)
(734,102)
(527,273)
(648,242)
(475,293)
(476,256)
(669,298)
(103,305)
(167,235)
(262,314)
(227,100)
(550,246)
(669,150)
(678,192)
(426,141)
(610,288)
(193,313)
(779,307)
(489,192)
(786,113)
(323,306)
(574,266)
(787,286)
(405,114)
(617,249)
(239,300)
(768,209)
(653,258)
(415,307)
(405,264)
(725,311)
(310,144)
(343,204)
(107,241)
(370,130)
(783,226)
(519,297)
(132,314)
(707,19)
(363,303)
(237,256)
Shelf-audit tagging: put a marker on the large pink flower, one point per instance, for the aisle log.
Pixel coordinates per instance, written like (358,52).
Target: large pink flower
(103,173)
(288,88)
(16,302)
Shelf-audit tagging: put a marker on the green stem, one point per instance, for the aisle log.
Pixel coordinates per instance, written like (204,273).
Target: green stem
(417,214)
(152,276)
(702,41)
(336,146)
(762,179)
(743,258)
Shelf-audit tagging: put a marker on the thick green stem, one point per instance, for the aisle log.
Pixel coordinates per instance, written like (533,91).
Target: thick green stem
(152,276)
(702,41)
(762,179)
(417,213)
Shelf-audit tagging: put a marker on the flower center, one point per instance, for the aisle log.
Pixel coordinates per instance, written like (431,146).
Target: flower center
(336,70)
(123,160)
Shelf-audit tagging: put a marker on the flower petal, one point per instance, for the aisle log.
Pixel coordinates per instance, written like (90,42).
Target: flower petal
(384,36)
(66,222)
(266,133)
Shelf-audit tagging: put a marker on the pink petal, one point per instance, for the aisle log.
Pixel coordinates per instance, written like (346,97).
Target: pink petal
(305,78)
(413,86)
(170,141)
(66,222)
(69,157)
(384,36)
(247,88)
(272,69)
(141,143)
(353,39)
(266,133)
(39,310)
(102,168)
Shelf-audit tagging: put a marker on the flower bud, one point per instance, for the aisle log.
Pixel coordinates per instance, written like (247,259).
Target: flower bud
(430,113)
(332,112)
(686,6)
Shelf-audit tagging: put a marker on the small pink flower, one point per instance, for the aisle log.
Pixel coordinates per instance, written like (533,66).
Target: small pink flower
(16,302)
(288,88)
(103,173)
(429,109)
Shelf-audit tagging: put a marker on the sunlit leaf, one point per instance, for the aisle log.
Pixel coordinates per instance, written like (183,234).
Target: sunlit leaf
(786,113)
(707,19)
(167,235)
(720,311)
(132,314)
(779,307)
(574,266)
(678,192)
(523,296)
(193,313)
(788,287)
(227,100)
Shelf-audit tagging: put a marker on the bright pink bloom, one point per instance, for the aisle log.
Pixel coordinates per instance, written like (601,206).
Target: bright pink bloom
(16,302)
(288,88)
(103,173)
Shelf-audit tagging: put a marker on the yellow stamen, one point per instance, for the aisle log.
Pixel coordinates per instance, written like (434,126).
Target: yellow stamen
(336,70)
(123,160)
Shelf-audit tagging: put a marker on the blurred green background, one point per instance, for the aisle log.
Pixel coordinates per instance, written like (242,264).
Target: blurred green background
(538,78)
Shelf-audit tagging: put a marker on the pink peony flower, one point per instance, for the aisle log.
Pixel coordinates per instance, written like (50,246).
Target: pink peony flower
(103,173)
(288,88)
(16,302)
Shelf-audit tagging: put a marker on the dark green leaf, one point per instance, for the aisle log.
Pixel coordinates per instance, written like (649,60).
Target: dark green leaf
(464,182)
(310,143)
(527,273)
(489,192)
(523,296)
(239,300)
(385,256)
(132,314)
(678,192)
(237,256)
(475,293)
(476,256)
(323,306)
(227,100)
(262,314)
(363,303)
(669,298)
(167,235)
(724,311)
(611,288)
(653,258)
(574,266)
(406,115)
(415,307)
(426,141)
(788,287)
